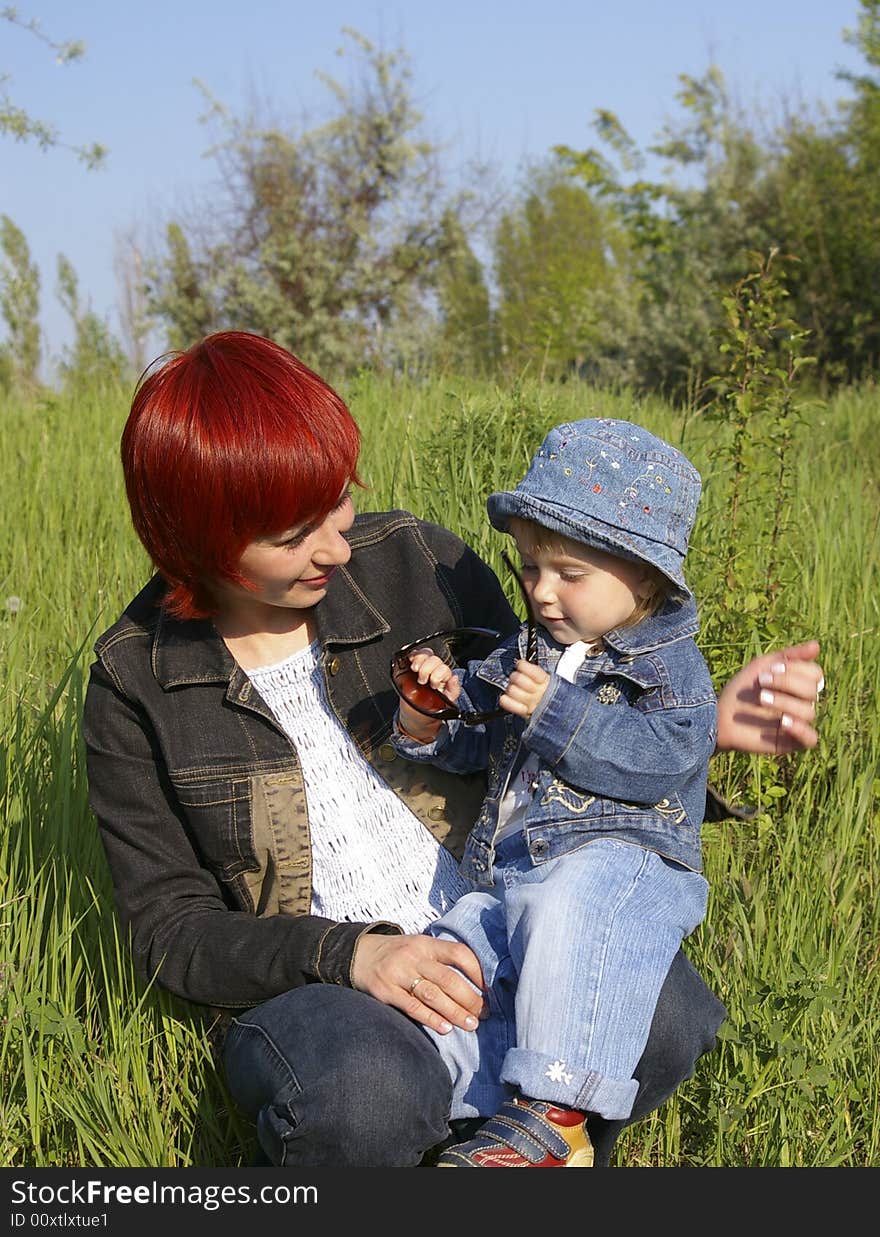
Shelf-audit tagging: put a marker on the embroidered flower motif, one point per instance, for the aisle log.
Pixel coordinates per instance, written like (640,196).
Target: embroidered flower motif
(597,489)
(614,464)
(557,1073)
(608,694)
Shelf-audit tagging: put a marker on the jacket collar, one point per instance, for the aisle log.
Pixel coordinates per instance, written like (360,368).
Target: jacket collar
(674,621)
(192,651)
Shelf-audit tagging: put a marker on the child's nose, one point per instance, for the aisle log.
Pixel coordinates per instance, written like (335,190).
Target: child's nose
(543,590)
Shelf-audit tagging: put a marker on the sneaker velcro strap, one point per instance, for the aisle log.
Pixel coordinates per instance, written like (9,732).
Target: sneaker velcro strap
(526,1130)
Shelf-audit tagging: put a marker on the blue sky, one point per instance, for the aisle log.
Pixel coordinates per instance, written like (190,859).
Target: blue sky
(498,80)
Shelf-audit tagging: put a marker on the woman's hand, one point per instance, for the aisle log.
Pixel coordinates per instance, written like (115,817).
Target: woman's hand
(768,707)
(387,967)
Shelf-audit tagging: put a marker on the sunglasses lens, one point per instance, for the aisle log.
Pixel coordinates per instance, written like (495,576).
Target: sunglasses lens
(423,699)
(456,647)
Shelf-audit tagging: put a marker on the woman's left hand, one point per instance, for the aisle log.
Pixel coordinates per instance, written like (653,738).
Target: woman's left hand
(769,706)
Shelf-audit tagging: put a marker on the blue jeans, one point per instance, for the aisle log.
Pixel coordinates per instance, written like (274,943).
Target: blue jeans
(574,952)
(333,1078)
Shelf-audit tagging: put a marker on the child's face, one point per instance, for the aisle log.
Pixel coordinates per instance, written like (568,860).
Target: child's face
(578,593)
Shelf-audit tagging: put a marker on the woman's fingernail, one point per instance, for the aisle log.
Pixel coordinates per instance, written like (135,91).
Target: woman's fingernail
(786,722)
(779,668)
(767,697)
(765,678)
(470,1023)
(444,1027)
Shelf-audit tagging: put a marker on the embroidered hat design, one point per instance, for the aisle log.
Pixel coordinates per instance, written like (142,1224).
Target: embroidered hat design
(612,485)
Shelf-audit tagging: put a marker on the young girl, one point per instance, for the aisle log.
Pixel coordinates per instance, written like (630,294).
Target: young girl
(584,861)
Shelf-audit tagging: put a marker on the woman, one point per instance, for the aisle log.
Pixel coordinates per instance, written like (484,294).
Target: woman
(270,853)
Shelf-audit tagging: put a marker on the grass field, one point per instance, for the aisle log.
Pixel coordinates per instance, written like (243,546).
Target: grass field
(97,1071)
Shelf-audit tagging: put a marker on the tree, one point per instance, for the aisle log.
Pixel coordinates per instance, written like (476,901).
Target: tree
(468,333)
(561,266)
(808,188)
(134,314)
(690,232)
(95,356)
(826,191)
(17,123)
(19,306)
(325,238)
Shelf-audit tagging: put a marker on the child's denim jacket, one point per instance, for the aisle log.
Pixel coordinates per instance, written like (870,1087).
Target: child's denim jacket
(623,751)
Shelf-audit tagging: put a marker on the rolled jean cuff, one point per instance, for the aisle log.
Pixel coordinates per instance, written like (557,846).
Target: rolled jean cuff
(541,1077)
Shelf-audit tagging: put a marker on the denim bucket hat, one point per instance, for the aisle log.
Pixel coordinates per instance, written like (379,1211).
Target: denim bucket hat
(615,487)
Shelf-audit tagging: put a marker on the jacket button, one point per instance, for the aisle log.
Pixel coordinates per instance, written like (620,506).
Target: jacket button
(435,813)
(539,848)
(387,752)
(333,665)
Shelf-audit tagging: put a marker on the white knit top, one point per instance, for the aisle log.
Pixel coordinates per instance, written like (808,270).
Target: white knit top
(372,858)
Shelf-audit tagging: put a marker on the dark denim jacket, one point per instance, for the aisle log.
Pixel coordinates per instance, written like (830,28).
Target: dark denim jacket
(624,749)
(199,794)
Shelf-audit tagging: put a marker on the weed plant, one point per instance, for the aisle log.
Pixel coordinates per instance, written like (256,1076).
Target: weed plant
(99,1069)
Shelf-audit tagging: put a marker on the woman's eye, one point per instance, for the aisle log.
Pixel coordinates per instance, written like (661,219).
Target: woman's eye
(297,539)
(571,576)
(343,500)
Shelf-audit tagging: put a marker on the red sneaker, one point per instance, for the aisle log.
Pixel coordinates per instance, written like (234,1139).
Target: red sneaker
(525,1134)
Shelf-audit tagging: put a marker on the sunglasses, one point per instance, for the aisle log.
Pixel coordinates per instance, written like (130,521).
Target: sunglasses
(456,646)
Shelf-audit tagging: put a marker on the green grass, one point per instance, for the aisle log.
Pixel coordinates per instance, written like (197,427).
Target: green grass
(95,1070)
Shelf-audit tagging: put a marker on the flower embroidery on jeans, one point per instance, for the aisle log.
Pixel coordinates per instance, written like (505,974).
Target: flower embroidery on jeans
(557,1073)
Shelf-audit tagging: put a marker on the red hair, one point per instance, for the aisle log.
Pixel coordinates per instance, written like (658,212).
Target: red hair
(232,440)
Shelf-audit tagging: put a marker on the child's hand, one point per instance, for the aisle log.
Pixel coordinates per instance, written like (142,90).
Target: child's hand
(433,671)
(524,690)
(430,671)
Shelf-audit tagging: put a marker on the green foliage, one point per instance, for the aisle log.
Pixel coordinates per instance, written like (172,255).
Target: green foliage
(809,188)
(468,332)
(689,231)
(823,196)
(16,122)
(96,1070)
(329,235)
(95,357)
(754,404)
(561,271)
(19,307)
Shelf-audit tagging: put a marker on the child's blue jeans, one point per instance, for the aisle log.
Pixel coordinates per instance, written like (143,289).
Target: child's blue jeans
(574,953)
(335,1079)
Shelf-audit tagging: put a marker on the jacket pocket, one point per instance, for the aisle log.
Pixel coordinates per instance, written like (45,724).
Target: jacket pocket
(218,810)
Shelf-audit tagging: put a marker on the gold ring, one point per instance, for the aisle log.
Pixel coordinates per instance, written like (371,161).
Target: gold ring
(415,983)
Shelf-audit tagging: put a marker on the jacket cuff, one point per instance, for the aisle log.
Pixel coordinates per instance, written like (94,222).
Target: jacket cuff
(335,952)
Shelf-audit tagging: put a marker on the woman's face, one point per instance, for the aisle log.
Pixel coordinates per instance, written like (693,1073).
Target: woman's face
(292,569)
